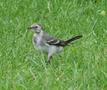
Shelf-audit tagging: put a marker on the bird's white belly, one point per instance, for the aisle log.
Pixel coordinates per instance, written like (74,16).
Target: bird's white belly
(43,48)
(54,49)
(48,48)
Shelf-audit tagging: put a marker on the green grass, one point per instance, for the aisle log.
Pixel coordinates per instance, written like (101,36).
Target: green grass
(82,66)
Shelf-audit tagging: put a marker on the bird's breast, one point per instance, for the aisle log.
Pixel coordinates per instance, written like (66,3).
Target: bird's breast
(39,44)
(38,40)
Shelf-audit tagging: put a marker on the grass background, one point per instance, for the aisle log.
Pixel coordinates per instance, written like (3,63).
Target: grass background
(82,66)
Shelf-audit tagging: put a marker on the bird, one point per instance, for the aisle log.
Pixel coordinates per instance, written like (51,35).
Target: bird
(47,43)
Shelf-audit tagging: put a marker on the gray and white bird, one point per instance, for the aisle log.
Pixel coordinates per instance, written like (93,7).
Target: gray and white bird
(47,43)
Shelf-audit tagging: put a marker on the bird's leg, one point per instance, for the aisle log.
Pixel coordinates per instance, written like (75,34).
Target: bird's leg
(49,59)
(50,54)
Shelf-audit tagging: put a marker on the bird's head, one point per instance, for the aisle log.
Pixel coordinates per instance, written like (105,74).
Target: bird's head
(37,28)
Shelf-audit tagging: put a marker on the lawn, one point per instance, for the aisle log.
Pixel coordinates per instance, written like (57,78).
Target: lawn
(81,66)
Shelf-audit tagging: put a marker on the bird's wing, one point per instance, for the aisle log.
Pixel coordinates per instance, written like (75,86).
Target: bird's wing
(52,41)
(56,42)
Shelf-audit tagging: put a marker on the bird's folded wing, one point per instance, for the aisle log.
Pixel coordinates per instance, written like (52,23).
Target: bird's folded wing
(56,42)
(53,41)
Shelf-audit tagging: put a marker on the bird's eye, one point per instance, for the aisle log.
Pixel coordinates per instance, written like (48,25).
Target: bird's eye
(36,26)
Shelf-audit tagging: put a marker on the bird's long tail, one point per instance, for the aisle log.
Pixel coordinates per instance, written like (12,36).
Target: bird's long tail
(72,39)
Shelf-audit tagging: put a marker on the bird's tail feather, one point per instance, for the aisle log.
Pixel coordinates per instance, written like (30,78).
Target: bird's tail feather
(73,39)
